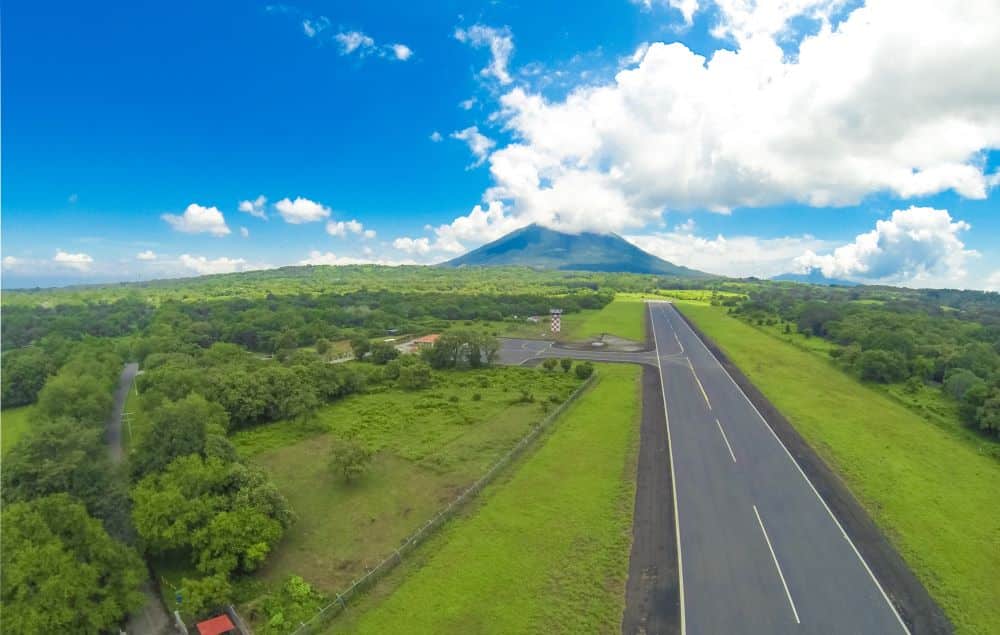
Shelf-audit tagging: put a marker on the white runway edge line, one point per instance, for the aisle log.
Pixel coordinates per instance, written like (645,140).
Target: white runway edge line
(777,565)
(673,476)
(791,458)
(729,447)
(703,393)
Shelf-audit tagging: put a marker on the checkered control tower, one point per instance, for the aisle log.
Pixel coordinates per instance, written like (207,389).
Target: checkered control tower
(556,319)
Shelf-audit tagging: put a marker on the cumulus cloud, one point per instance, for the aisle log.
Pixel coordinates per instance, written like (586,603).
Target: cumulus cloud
(329,258)
(687,8)
(301,210)
(79,261)
(412,245)
(12,262)
(351,41)
(198,219)
(255,207)
(914,244)
(738,256)
(147,255)
(244,232)
(478,143)
(342,228)
(467,104)
(881,100)
(501,44)
(204,266)
(436,137)
(401,51)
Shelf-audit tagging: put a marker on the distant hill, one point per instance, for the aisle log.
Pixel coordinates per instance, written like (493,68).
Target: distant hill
(543,248)
(815,276)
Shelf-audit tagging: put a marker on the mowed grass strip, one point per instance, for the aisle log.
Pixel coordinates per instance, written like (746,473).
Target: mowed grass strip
(929,490)
(15,422)
(623,316)
(547,549)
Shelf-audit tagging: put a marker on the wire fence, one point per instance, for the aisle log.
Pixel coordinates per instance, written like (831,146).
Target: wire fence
(334,608)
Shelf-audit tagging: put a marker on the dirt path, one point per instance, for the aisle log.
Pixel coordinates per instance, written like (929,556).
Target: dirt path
(652,601)
(151,619)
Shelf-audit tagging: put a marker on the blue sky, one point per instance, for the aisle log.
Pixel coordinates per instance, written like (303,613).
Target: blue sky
(117,119)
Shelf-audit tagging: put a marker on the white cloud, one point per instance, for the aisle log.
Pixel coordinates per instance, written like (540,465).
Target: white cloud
(351,41)
(147,255)
(204,266)
(255,207)
(993,281)
(686,7)
(501,45)
(342,228)
(329,258)
(478,143)
(401,51)
(12,262)
(738,256)
(369,234)
(244,232)
(197,219)
(301,210)
(467,104)
(913,245)
(686,227)
(412,245)
(888,99)
(436,136)
(80,261)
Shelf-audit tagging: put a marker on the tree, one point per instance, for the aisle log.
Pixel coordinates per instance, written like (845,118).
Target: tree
(988,414)
(550,363)
(566,364)
(584,370)
(462,349)
(349,458)
(84,398)
(383,352)
(62,572)
(881,366)
(178,428)
(203,595)
(360,346)
(414,376)
(227,515)
(24,373)
(322,346)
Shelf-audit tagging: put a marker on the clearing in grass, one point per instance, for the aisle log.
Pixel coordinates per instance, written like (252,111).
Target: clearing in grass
(15,422)
(428,446)
(546,550)
(928,488)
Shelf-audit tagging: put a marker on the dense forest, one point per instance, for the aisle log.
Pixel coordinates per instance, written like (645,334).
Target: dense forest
(945,339)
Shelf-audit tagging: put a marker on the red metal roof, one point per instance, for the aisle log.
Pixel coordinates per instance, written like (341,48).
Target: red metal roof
(216,626)
(428,339)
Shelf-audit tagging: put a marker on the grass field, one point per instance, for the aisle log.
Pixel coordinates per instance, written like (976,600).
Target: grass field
(623,317)
(546,550)
(930,489)
(15,422)
(429,445)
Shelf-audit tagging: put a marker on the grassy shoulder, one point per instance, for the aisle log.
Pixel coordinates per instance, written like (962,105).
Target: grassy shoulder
(428,446)
(547,549)
(15,422)
(622,317)
(925,486)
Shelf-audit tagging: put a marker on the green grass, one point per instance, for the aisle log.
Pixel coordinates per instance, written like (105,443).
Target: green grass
(429,444)
(622,317)
(932,491)
(545,551)
(15,422)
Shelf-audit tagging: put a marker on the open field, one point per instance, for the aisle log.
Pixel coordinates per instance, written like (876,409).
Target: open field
(923,484)
(15,424)
(622,317)
(547,549)
(429,445)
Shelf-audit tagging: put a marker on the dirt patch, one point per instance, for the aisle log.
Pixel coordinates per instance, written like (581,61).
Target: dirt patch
(652,597)
(915,605)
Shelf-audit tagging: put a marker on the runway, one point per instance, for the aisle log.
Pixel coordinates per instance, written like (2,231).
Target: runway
(759,551)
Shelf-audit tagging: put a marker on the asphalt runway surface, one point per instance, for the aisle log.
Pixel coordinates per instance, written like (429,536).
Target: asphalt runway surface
(756,549)
(759,550)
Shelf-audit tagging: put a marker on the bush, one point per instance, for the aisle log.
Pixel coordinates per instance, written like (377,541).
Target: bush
(584,370)
(566,364)
(414,376)
(476,396)
(550,363)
